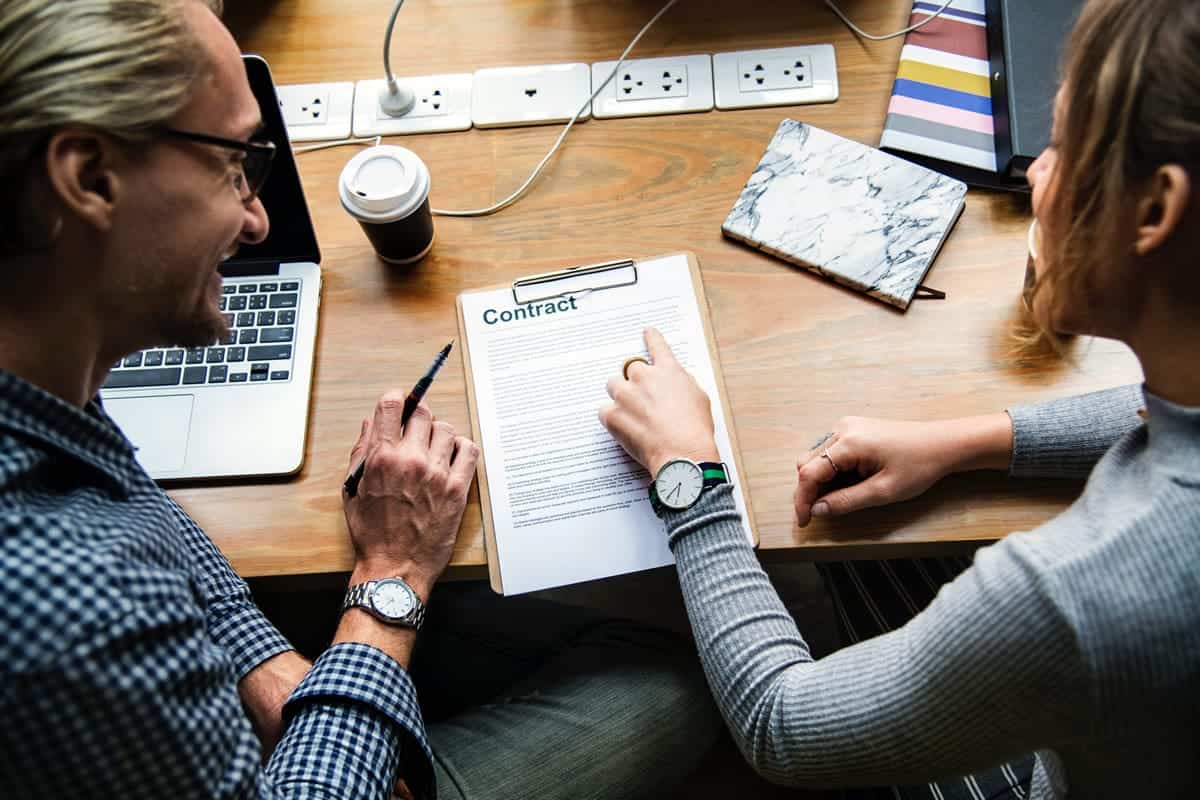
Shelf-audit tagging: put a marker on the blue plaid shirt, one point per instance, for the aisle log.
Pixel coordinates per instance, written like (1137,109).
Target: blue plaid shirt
(124,633)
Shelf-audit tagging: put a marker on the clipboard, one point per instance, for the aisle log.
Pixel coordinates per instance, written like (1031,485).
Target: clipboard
(574,281)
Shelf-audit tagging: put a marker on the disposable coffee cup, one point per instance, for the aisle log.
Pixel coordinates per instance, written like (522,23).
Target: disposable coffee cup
(386,188)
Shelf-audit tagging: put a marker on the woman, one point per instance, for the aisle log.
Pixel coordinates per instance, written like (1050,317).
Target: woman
(1079,641)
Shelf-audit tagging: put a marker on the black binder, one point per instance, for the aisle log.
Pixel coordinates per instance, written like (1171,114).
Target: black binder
(1026,42)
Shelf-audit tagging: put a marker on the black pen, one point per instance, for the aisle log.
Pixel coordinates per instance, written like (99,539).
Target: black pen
(410,405)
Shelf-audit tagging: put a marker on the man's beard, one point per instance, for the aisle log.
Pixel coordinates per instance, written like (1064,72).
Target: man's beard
(204,326)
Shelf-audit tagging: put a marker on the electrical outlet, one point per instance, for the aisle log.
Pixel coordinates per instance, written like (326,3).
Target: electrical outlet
(771,74)
(650,86)
(306,107)
(316,111)
(648,82)
(784,76)
(540,95)
(443,104)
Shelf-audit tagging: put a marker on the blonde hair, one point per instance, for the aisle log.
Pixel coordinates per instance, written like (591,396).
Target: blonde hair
(1132,104)
(122,67)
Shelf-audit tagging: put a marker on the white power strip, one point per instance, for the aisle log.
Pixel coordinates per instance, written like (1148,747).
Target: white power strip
(783,76)
(443,104)
(316,111)
(653,86)
(551,93)
(539,95)
(745,79)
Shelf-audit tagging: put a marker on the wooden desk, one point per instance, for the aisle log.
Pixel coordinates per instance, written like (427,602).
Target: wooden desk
(798,351)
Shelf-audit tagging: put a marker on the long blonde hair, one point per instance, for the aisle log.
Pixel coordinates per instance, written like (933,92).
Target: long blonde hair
(122,67)
(1132,91)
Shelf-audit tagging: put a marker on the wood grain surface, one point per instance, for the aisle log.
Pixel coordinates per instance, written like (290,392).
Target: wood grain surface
(798,352)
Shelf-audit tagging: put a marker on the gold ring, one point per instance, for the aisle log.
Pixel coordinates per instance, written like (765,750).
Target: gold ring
(634,360)
(832,463)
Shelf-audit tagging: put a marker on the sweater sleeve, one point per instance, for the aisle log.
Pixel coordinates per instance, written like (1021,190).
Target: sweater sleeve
(985,673)
(1065,438)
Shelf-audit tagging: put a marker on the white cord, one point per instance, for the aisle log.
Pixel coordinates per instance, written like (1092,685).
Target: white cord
(860,32)
(387,46)
(524,187)
(515,196)
(375,140)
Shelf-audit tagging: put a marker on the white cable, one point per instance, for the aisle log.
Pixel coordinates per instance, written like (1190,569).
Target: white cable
(524,187)
(375,140)
(387,46)
(860,32)
(515,196)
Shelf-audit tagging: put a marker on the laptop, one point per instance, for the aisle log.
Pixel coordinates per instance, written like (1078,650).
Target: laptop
(238,408)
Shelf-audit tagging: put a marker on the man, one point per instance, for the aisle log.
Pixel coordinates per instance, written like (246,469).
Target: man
(133,662)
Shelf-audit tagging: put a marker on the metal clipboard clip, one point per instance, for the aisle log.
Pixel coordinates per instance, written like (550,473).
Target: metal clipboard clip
(575,280)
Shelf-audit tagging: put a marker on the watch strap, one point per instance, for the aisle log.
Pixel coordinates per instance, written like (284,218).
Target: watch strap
(715,473)
(358,596)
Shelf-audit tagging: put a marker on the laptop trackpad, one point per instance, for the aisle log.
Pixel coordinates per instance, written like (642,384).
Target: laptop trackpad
(158,426)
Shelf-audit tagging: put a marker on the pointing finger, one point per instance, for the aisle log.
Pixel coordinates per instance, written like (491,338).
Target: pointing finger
(656,345)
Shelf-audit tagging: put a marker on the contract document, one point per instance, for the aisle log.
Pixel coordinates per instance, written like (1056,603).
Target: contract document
(561,500)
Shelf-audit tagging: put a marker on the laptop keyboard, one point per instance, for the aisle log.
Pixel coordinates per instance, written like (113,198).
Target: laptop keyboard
(258,348)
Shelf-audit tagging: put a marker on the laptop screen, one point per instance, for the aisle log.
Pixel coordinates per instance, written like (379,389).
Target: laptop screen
(292,237)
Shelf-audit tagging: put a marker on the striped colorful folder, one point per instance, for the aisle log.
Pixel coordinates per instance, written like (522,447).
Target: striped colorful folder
(941,106)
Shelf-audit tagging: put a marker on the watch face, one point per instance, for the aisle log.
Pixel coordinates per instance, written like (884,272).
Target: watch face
(678,484)
(393,599)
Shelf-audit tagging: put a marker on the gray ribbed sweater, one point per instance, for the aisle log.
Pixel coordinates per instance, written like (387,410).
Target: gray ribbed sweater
(1079,640)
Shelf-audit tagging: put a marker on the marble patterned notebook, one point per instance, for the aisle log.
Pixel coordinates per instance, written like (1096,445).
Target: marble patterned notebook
(864,218)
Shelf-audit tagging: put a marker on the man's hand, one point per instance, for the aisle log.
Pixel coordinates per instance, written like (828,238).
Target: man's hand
(265,689)
(660,412)
(404,519)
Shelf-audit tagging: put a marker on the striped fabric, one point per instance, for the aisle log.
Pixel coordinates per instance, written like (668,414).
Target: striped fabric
(941,104)
(871,598)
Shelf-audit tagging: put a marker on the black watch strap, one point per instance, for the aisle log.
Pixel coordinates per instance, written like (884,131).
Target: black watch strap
(715,474)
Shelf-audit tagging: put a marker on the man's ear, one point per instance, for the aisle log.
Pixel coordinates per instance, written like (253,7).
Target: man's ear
(1162,207)
(81,166)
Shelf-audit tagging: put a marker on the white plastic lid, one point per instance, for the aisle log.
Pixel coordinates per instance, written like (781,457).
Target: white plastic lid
(384,183)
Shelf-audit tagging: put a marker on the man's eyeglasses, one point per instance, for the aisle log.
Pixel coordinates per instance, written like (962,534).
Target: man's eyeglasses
(255,166)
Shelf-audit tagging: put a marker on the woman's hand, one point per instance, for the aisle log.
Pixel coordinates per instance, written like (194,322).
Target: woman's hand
(894,460)
(660,412)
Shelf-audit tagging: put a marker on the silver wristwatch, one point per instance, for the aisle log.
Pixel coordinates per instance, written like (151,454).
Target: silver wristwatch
(390,600)
(680,482)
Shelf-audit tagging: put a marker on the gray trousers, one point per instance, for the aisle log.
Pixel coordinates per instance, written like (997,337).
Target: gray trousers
(527,698)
